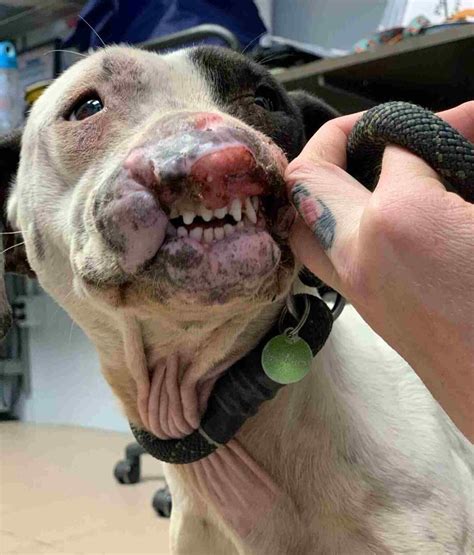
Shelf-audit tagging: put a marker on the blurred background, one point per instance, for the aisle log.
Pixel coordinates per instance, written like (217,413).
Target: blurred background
(353,54)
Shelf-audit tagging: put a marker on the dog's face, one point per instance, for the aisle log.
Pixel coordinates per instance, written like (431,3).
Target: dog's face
(152,185)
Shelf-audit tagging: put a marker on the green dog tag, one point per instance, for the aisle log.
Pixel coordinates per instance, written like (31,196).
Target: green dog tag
(286,359)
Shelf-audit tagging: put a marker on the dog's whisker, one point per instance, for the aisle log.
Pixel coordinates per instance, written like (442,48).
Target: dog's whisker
(12,232)
(93,30)
(67,52)
(12,247)
(270,58)
(253,41)
(70,331)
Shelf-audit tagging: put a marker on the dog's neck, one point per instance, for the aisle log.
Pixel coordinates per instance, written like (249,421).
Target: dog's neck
(189,352)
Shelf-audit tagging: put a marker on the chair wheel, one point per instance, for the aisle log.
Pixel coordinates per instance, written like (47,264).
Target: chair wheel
(127,471)
(162,502)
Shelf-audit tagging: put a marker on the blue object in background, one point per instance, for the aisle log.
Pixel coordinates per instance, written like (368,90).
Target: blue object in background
(7,55)
(10,108)
(134,21)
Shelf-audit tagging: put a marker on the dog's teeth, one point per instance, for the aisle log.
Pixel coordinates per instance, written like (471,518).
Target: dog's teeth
(174,213)
(182,232)
(250,211)
(219,233)
(240,225)
(228,230)
(188,217)
(255,203)
(236,209)
(196,233)
(208,235)
(220,212)
(206,214)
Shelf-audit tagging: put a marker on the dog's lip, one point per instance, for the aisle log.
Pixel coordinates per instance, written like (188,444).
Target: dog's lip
(213,271)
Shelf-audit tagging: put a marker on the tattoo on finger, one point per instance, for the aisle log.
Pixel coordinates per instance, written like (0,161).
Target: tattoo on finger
(316,214)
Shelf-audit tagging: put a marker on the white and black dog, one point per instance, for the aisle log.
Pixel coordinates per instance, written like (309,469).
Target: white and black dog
(150,197)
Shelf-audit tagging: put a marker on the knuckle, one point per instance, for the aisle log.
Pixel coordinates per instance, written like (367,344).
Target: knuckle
(309,170)
(468,109)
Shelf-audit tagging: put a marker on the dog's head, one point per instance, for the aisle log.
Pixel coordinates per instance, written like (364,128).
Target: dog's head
(151,186)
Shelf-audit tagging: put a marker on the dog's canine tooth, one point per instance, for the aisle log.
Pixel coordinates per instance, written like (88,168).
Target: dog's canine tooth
(188,217)
(220,212)
(250,211)
(208,235)
(174,213)
(219,233)
(196,233)
(255,203)
(182,232)
(206,214)
(228,230)
(236,209)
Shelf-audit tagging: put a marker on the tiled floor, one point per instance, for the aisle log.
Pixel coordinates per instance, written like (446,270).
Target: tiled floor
(58,494)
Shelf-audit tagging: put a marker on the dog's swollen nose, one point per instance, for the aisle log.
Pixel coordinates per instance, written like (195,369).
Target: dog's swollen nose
(132,224)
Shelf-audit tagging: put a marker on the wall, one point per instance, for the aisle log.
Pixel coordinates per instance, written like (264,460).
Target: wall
(66,384)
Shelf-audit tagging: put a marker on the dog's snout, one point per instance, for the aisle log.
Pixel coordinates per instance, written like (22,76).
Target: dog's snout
(199,163)
(203,157)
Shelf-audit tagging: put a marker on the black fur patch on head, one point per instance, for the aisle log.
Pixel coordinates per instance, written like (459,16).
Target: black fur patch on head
(236,81)
(238,85)
(315,112)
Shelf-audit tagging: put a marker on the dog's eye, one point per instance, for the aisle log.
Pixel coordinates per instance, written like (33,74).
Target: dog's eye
(266,98)
(85,108)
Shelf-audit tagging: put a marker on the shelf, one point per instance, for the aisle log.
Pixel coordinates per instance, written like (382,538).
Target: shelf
(436,70)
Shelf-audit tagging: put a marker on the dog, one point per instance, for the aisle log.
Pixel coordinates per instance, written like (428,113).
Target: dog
(150,198)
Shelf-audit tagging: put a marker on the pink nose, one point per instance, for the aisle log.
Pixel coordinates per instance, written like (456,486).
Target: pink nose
(133,224)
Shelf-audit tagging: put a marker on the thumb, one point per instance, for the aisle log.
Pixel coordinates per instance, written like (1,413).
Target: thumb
(330,204)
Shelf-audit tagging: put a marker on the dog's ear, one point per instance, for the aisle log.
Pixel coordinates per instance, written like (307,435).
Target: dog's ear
(12,251)
(314,111)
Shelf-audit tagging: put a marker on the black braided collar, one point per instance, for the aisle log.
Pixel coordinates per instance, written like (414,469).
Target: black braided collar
(240,391)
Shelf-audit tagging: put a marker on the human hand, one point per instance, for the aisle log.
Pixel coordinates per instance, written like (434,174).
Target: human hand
(402,255)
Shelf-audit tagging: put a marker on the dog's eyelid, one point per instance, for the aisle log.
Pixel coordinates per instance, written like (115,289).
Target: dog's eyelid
(81,98)
(243,96)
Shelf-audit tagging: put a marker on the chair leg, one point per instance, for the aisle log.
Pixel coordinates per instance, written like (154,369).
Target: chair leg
(127,471)
(162,502)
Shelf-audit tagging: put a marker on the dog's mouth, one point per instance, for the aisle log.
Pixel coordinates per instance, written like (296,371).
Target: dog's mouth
(205,225)
(203,211)
(232,197)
